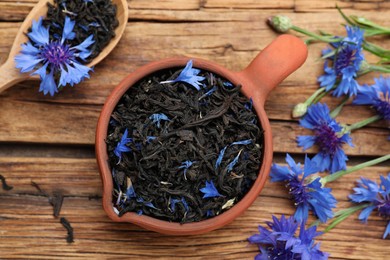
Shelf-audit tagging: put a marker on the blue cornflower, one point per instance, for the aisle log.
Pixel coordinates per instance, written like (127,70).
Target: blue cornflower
(188,75)
(121,146)
(281,243)
(307,193)
(378,197)
(56,62)
(186,165)
(156,118)
(328,136)
(377,95)
(346,62)
(210,190)
(306,246)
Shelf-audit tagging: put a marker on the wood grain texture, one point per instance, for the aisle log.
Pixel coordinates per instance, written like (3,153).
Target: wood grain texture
(26,219)
(229,32)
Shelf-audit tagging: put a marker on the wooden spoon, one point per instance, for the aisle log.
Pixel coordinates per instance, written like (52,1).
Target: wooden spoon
(9,75)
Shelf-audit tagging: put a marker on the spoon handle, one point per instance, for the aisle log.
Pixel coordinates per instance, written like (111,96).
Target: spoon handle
(9,75)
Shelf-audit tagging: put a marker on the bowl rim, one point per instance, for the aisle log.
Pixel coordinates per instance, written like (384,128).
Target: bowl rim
(163,226)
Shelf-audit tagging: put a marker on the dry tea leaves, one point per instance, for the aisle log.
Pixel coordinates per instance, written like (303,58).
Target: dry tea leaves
(167,141)
(4,183)
(92,17)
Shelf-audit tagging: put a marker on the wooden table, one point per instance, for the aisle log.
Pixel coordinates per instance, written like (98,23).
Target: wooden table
(50,141)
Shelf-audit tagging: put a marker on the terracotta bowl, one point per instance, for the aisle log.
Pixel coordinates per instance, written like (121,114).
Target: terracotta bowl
(282,57)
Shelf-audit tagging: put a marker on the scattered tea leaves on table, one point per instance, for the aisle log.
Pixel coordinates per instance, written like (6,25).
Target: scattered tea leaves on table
(56,200)
(69,228)
(4,183)
(186,143)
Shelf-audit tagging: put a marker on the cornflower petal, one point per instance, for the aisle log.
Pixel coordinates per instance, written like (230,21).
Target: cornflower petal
(220,157)
(156,118)
(121,146)
(233,163)
(67,33)
(39,34)
(377,96)
(48,84)
(85,44)
(188,75)
(210,190)
(26,62)
(42,71)
(365,213)
(377,196)
(387,231)
(28,48)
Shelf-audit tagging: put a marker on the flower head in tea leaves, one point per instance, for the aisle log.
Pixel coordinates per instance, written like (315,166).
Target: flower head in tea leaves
(122,145)
(328,136)
(346,61)
(377,95)
(156,119)
(56,62)
(378,197)
(188,75)
(280,242)
(210,190)
(307,193)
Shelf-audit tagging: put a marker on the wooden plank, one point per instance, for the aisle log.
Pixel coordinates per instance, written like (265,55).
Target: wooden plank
(232,44)
(248,4)
(26,218)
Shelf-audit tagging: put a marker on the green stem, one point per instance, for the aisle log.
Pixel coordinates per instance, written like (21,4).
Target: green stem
(362,123)
(343,214)
(310,100)
(379,68)
(338,109)
(323,94)
(314,35)
(339,174)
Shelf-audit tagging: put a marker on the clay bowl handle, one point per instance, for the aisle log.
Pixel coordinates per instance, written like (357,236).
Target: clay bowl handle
(272,65)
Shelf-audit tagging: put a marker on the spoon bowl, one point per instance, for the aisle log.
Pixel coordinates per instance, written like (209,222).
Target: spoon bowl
(9,75)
